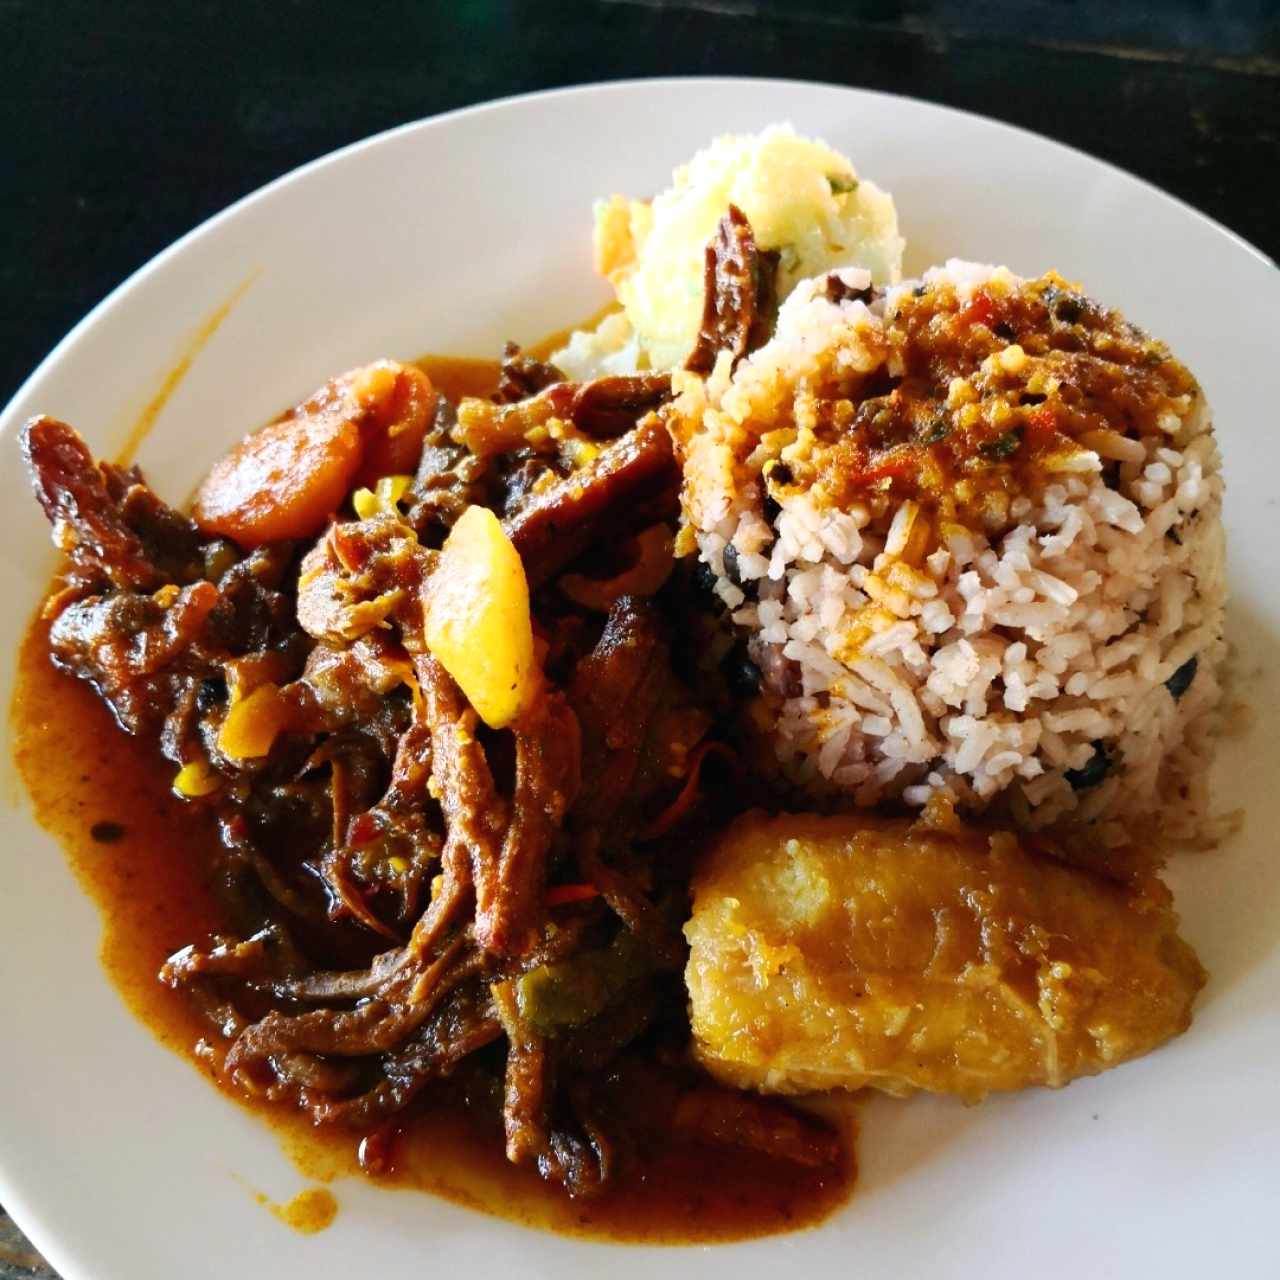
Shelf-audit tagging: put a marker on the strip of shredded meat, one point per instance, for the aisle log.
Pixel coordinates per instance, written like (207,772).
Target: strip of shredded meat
(630,486)
(739,294)
(109,524)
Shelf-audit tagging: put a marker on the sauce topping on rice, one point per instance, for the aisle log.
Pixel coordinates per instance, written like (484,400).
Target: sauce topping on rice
(980,399)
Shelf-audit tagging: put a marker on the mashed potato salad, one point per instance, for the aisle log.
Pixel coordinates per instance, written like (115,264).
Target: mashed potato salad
(804,201)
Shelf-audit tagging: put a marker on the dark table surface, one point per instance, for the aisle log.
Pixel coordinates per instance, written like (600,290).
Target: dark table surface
(125,125)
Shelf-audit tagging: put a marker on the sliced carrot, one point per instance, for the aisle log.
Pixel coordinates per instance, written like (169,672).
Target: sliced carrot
(282,482)
(398,402)
(286,480)
(683,805)
(563,894)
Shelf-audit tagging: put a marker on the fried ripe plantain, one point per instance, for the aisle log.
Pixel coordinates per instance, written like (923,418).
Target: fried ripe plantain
(849,952)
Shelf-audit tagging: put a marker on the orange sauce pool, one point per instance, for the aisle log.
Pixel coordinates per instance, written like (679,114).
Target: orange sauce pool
(140,853)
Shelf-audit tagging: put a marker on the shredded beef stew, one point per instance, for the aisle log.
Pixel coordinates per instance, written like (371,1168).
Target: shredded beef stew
(422,904)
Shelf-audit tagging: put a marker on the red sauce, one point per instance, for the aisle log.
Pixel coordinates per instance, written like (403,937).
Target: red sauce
(991,397)
(140,853)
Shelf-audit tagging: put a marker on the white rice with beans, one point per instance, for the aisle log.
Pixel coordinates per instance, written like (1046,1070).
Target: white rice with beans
(1058,653)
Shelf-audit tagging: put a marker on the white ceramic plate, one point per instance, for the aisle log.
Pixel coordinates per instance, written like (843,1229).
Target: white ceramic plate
(452,235)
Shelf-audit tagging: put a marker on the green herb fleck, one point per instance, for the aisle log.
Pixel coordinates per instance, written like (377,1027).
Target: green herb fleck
(1004,446)
(841,184)
(938,430)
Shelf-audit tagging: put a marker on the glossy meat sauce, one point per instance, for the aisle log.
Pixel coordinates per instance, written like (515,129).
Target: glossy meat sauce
(140,853)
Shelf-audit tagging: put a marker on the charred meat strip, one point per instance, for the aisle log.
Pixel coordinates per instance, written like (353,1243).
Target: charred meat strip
(358,575)
(523,376)
(377,1025)
(449,478)
(739,294)
(464,1023)
(548,763)
(526,1093)
(109,524)
(159,661)
(475,814)
(610,407)
(631,485)
(136,652)
(615,691)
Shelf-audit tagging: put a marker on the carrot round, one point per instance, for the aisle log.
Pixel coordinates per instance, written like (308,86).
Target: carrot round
(286,480)
(398,401)
(282,482)
(562,895)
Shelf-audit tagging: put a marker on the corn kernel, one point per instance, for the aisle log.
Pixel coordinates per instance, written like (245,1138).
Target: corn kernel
(583,452)
(390,489)
(366,503)
(199,778)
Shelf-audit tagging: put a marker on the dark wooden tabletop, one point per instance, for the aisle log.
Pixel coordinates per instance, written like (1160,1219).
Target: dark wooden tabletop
(126,124)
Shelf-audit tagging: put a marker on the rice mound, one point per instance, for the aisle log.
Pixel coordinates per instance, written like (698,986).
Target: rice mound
(804,200)
(1055,654)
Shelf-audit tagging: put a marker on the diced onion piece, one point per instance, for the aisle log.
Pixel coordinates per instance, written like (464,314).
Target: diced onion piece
(478,622)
